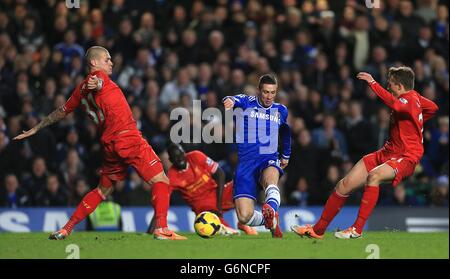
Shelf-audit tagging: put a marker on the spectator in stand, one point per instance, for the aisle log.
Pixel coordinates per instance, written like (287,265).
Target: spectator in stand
(69,49)
(314,47)
(53,195)
(439,193)
(330,138)
(12,194)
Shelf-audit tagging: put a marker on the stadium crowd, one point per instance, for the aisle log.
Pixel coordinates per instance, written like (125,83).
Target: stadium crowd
(168,53)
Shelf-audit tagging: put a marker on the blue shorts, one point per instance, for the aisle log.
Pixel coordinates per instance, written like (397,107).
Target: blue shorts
(248,173)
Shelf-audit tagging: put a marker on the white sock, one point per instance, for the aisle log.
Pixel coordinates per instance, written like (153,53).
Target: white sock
(256,220)
(273,196)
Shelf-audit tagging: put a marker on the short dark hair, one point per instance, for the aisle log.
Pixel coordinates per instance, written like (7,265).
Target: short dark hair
(267,79)
(403,75)
(172,147)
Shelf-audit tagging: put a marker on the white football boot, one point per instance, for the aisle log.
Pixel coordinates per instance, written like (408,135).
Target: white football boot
(224,230)
(347,234)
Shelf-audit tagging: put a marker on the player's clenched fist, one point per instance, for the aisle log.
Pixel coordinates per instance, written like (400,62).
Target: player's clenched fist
(94,82)
(228,103)
(284,163)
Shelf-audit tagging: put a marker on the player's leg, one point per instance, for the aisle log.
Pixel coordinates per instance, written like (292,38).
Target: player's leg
(248,217)
(354,179)
(269,180)
(89,203)
(132,149)
(378,175)
(244,194)
(149,167)
(245,209)
(246,213)
(113,169)
(228,204)
(160,200)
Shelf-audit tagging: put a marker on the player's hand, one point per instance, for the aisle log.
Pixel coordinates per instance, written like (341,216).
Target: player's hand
(365,76)
(284,163)
(228,103)
(93,82)
(26,134)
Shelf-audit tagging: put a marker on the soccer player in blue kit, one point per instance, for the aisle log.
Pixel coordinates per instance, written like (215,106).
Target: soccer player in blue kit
(259,123)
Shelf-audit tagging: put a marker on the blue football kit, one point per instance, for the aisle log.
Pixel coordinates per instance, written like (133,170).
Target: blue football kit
(258,130)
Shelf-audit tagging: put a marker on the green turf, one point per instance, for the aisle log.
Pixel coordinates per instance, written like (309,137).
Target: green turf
(137,245)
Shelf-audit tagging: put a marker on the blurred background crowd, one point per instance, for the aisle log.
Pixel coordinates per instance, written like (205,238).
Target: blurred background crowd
(168,53)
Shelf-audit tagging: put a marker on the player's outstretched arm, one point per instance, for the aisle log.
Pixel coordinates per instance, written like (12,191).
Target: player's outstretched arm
(53,117)
(219,177)
(390,100)
(285,133)
(366,77)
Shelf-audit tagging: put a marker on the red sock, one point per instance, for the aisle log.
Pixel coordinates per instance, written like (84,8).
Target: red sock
(86,207)
(224,222)
(368,202)
(334,203)
(160,202)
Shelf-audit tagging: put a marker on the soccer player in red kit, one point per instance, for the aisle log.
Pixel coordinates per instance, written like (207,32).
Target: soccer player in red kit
(202,185)
(123,144)
(396,160)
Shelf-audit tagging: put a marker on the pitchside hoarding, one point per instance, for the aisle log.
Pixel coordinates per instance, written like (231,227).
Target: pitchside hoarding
(180,218)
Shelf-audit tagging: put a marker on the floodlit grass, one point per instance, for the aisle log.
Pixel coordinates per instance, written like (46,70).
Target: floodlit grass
(398,245)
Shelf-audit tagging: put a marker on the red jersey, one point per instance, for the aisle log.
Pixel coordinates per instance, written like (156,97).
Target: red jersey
(107,107)
(195,182)
(408,113)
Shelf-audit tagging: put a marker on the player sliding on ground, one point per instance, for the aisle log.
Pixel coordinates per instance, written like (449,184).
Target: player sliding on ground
(122,142)
(395,161)
(259,122)
(201,182)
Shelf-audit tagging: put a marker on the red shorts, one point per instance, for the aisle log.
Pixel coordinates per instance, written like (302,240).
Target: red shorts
(128,149)
(209,202)
(403,166)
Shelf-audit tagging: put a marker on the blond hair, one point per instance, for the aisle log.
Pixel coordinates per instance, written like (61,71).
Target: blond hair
(94,53)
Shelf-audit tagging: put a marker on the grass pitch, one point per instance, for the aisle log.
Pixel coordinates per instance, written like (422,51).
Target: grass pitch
(113,245)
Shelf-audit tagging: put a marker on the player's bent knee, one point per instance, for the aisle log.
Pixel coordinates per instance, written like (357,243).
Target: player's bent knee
(373,178)
(244,219)
(342,187)
(160,177)
(244,216)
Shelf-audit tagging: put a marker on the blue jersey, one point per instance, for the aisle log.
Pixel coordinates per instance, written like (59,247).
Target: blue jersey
(258,128)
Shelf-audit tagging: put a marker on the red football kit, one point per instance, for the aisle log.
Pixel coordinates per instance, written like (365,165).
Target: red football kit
(404,149)
(196,184)
(402,152)
(123,144)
